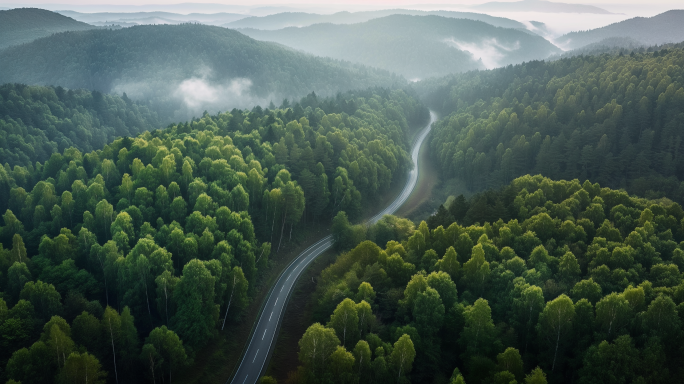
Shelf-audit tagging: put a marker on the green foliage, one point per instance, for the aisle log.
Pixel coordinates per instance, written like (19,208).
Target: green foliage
(38,123)
(174,227)
(22,25)
(549,287)
(610,119)
(235,68)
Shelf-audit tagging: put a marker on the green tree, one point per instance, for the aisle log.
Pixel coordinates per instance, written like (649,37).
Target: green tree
(44,297)
(479,334)
(511,361)
(476,271)
(366,293)
(315,346)
(164,350)
(537,376)
(402,356)
(341,365)
(612,363)
(194,296)
(449,264)
(82,368)
(17,277)
(236,291)
(428,313)
(345,321)
(362,359)
(613,313)
(555,325)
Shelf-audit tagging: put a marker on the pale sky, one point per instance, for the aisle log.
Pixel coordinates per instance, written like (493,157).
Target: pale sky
(386,3)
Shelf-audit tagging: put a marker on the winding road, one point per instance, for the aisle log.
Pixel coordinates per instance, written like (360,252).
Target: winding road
(258,351)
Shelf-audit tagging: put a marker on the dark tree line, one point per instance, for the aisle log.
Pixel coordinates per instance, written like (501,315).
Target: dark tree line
(38,121)
(613,119)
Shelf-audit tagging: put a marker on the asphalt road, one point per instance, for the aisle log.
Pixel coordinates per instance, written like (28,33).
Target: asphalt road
(256,357)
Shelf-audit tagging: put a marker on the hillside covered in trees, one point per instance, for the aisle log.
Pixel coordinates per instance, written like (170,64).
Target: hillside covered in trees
(415,46)
(665,28)
(302,19)
(612,119)
(36,122)
(540,281)
(125,261)
(23,25)
(187,68)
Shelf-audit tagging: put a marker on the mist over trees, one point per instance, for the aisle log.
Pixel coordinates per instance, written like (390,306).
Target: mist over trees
(155,179)
(181,70)
(415,46)
(302,19)
(667,27)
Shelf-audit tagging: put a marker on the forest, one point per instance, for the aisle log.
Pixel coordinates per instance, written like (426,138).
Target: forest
(613,119)
(126,260)
(36,122)
(414,46)
(22,25)
(538,281)
(151,63)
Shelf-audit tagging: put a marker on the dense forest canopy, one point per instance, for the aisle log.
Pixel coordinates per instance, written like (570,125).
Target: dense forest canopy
(36,122)
(128,259)
(23,25)
(182,68)
(612,119)
(541,281)
(415,46)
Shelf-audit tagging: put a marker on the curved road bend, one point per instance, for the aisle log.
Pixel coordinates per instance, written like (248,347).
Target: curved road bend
(256,356)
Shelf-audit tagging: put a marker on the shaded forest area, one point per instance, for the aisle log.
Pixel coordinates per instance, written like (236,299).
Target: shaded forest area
(152,63)
(540,281)
(126,260)
(36,122)
(612,119)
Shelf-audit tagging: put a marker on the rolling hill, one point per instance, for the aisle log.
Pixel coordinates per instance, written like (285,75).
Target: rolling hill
(538,6)
(302,19)
(22,25)
(664,28)
(139,18)
(415,46)
(186,67)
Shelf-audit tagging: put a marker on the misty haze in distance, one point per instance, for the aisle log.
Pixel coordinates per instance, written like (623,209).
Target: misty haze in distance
(405,191)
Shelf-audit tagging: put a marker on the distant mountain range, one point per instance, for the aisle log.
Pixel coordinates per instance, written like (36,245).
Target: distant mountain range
(188,67)
(22,25)
(139,18)
(667,27)
(415,46)
(302,19)
(538,6)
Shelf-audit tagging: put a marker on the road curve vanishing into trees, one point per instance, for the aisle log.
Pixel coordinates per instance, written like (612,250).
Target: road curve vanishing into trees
(255,358)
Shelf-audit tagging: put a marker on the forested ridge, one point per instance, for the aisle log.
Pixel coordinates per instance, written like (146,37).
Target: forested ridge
(415,46)
(660,29)
(36,122)
(152,63)
(612,119)
(540,281)
(22,25)
(125,261)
